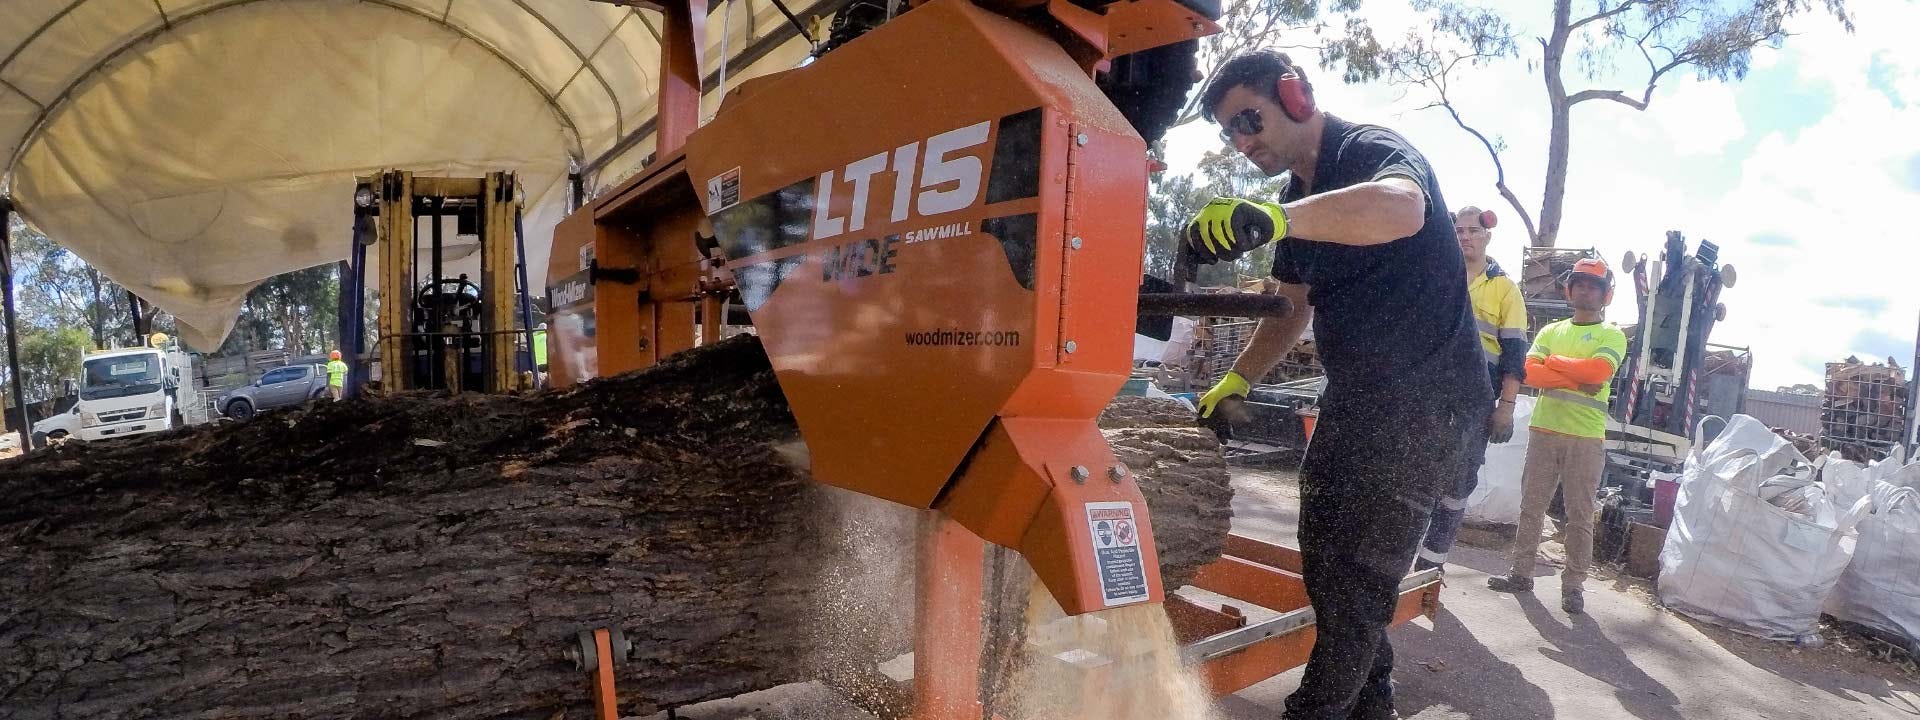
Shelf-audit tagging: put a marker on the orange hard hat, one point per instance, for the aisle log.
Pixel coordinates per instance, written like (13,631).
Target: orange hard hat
(1594,268)
(335,355)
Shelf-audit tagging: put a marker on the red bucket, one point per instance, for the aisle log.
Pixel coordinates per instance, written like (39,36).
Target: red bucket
(1665,493)
(1308,418)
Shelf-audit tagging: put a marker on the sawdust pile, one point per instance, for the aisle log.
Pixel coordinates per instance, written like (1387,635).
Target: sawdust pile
(1117,664)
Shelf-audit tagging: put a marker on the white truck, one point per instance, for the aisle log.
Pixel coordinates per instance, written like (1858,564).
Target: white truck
(133,391)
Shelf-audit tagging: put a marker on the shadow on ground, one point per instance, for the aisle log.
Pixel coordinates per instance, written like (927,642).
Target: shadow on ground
(1499,691)
(1879,680)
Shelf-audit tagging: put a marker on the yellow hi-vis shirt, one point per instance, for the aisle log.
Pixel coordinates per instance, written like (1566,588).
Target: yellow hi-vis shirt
(1501,313)
(1571,412)
(539,347)
(336,373)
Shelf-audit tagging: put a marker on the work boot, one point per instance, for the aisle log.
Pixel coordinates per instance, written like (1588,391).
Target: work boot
(1365,710)
(1573,600)
(1374,703)
(1510,584)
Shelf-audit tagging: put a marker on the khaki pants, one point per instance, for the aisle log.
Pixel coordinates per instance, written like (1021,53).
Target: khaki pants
(335,391)
(1573,464)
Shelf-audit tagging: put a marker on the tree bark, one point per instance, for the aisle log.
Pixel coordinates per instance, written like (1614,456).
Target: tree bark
(430,556)
(97,311)
(1559,131)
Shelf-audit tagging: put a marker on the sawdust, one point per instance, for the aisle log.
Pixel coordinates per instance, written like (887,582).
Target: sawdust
(855,613)
(1117,664)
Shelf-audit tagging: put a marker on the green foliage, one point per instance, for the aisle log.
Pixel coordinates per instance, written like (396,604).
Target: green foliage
(297,311)
(48,357)
(64,308)
(56,289)
(67,307)
(1331,29)
(1600,42)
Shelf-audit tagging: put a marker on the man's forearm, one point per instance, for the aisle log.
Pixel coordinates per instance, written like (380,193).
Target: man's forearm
(1546,378)
(1509,388)
(1365,214)
(1586,371)
(1272,339)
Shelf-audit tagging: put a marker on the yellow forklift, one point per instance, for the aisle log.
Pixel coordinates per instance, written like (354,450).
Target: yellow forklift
(439,328)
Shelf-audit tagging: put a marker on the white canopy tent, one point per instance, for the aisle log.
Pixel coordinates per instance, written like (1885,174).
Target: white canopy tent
(192,149)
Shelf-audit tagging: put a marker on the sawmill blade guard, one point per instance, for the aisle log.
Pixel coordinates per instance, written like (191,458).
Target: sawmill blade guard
(937,230)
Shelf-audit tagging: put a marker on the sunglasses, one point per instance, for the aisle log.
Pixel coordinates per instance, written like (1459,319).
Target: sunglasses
(1245,122)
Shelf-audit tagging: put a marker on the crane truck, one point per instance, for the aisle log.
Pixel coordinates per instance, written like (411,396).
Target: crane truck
(133,391)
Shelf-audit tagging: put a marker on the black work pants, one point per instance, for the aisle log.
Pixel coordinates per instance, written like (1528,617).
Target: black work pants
(1367,487)
(1452,506)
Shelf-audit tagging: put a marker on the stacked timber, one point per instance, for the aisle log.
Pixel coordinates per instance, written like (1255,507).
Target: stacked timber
(1865,410)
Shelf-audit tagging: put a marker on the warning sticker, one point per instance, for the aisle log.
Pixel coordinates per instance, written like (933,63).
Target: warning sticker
(586,256)
(723,191)
(1116,552)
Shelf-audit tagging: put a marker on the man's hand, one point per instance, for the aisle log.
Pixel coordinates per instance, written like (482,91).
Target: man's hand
(1230,386)
(1500,423)
(1230,227)
(1591,388)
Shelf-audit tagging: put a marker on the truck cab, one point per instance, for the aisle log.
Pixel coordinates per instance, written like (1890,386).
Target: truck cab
(135,391)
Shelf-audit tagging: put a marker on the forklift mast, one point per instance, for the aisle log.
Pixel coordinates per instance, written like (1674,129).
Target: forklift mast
(438,329)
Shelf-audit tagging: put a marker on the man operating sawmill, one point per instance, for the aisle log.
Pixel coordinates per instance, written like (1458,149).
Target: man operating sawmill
(1365,249)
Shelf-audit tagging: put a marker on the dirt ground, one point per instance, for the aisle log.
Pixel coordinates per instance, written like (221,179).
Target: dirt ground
(1490,656)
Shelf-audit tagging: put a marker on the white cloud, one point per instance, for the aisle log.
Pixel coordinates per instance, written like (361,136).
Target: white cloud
(1699,118)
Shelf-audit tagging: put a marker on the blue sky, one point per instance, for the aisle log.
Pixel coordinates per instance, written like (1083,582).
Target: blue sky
(1806,174)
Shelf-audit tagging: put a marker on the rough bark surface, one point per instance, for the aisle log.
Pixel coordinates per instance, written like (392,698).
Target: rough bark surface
(424,556)
(1182,475)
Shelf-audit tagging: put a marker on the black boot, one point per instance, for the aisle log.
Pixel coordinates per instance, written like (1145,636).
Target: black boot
(1510,584)
(1375,703)
(1573,600)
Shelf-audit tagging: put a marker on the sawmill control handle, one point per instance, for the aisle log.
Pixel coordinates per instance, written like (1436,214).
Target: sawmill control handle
(1244,305)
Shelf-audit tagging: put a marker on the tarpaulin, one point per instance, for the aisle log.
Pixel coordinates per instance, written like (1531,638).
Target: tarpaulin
(191,149)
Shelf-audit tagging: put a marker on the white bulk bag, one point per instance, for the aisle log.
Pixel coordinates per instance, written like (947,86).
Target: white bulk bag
(1736,560)
(1881,587)
(1497,499)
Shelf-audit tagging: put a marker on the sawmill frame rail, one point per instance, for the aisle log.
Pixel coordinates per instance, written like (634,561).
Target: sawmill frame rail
(1230,652)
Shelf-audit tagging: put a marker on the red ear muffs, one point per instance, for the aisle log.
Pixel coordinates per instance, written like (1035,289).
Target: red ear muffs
(1488,219)
(1295,98)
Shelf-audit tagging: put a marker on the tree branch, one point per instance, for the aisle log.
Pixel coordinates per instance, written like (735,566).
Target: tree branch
(1625,6)
(1614,95)
(1646,97)
(1499,169)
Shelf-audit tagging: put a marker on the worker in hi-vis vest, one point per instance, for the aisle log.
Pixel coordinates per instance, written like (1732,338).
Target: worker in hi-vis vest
(1572,364)
(1501,315)
(336,376)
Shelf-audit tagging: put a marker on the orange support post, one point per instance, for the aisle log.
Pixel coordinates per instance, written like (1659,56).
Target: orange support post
(946,643)
(606,706)
(679,114)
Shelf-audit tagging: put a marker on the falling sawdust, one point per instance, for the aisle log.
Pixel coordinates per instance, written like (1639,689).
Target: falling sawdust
(1117,664)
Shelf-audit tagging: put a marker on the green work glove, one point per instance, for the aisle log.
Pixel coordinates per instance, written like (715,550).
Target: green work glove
(1230,386)
(1230,227)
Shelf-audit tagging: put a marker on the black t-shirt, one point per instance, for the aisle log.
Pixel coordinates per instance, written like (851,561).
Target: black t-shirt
(1392,323)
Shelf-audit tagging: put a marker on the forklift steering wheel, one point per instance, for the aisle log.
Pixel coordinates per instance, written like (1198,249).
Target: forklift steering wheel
(464,301)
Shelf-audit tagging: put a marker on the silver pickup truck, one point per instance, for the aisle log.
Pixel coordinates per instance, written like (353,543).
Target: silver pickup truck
(280,387)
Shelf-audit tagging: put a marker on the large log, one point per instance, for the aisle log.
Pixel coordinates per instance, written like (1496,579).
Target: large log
(424,556)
